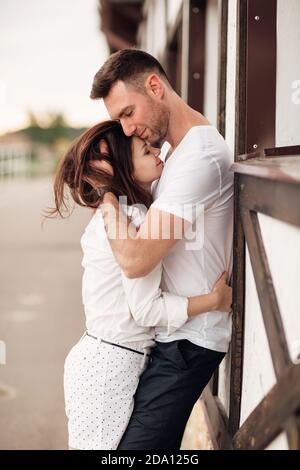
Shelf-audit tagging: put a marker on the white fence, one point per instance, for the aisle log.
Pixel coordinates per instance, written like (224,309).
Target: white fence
(14,160)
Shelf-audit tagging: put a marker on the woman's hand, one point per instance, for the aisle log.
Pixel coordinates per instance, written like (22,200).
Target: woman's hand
(223,294)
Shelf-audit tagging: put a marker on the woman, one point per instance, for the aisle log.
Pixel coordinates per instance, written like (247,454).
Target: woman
(102,370)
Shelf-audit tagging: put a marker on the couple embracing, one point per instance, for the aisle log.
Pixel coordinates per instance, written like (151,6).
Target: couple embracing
(157,256)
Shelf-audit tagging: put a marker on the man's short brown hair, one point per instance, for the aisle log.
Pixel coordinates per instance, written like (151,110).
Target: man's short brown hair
(127,65)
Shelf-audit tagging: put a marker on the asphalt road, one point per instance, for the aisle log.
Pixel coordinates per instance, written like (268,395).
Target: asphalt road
(41,314)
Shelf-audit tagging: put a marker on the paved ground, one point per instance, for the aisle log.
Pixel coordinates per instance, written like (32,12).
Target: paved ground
(41,314)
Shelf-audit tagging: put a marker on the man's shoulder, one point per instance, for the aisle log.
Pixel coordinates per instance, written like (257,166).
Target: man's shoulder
(205,146)
(200,140)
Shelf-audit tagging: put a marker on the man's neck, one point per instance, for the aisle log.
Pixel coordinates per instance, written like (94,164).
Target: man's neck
(182,119)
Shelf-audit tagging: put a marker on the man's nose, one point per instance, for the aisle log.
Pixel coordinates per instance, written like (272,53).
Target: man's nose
(128,128)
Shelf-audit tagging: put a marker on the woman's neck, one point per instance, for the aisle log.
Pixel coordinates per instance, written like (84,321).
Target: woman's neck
(147,187)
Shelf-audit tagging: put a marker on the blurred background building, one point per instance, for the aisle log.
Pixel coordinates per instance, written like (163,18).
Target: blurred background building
(233,60)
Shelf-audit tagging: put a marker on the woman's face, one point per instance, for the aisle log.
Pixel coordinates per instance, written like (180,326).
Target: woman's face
(146,162)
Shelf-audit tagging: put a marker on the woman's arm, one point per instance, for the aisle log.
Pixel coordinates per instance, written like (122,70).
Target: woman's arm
(152,307)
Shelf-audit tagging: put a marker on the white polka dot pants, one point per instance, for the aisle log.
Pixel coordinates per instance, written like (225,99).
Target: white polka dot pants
(99,383)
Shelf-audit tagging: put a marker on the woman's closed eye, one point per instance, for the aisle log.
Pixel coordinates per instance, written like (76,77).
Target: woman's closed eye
(128,114)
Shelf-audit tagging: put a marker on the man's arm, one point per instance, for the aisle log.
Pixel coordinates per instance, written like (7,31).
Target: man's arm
(139,252)
(195,186)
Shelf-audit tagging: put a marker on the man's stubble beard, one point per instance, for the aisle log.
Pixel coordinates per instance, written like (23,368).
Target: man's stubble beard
(160,125)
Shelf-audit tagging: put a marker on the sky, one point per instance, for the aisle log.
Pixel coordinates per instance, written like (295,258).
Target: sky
(50,51)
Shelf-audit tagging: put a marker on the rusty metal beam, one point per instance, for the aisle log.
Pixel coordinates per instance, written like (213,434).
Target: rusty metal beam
(280,201)
(255,130)
(216,420)
(266,292)
(267,420)
(252,189)
(281,151)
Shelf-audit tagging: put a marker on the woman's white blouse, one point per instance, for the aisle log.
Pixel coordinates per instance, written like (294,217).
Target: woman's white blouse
(119,309)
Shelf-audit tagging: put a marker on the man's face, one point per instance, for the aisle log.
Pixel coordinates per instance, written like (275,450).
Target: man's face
(139,114)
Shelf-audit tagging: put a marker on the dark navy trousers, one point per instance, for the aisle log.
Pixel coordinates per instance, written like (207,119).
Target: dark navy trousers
(175,377)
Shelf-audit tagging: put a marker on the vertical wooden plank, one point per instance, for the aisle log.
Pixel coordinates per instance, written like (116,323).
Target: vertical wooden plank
(222,79)
(238,278)
(196,54)
(237,342)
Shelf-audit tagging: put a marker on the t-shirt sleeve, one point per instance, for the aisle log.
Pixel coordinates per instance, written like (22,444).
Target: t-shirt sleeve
(192,189)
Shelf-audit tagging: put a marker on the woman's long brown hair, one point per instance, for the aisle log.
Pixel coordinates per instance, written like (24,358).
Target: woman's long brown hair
(77,172)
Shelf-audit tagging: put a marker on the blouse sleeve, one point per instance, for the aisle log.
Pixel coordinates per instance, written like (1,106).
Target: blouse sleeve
(150,306)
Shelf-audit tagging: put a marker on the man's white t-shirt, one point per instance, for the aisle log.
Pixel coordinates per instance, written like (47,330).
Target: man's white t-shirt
(197,185)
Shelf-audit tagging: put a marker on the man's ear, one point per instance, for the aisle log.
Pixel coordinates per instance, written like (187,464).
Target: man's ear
(154,85)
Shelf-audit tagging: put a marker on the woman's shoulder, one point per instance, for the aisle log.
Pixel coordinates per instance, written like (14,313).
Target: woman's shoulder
(95,223)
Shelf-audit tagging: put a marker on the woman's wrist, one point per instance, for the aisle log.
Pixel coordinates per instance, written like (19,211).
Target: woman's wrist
(203,303)
(214,297)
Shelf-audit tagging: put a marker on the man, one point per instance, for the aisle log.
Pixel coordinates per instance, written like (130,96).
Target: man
(136,91)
